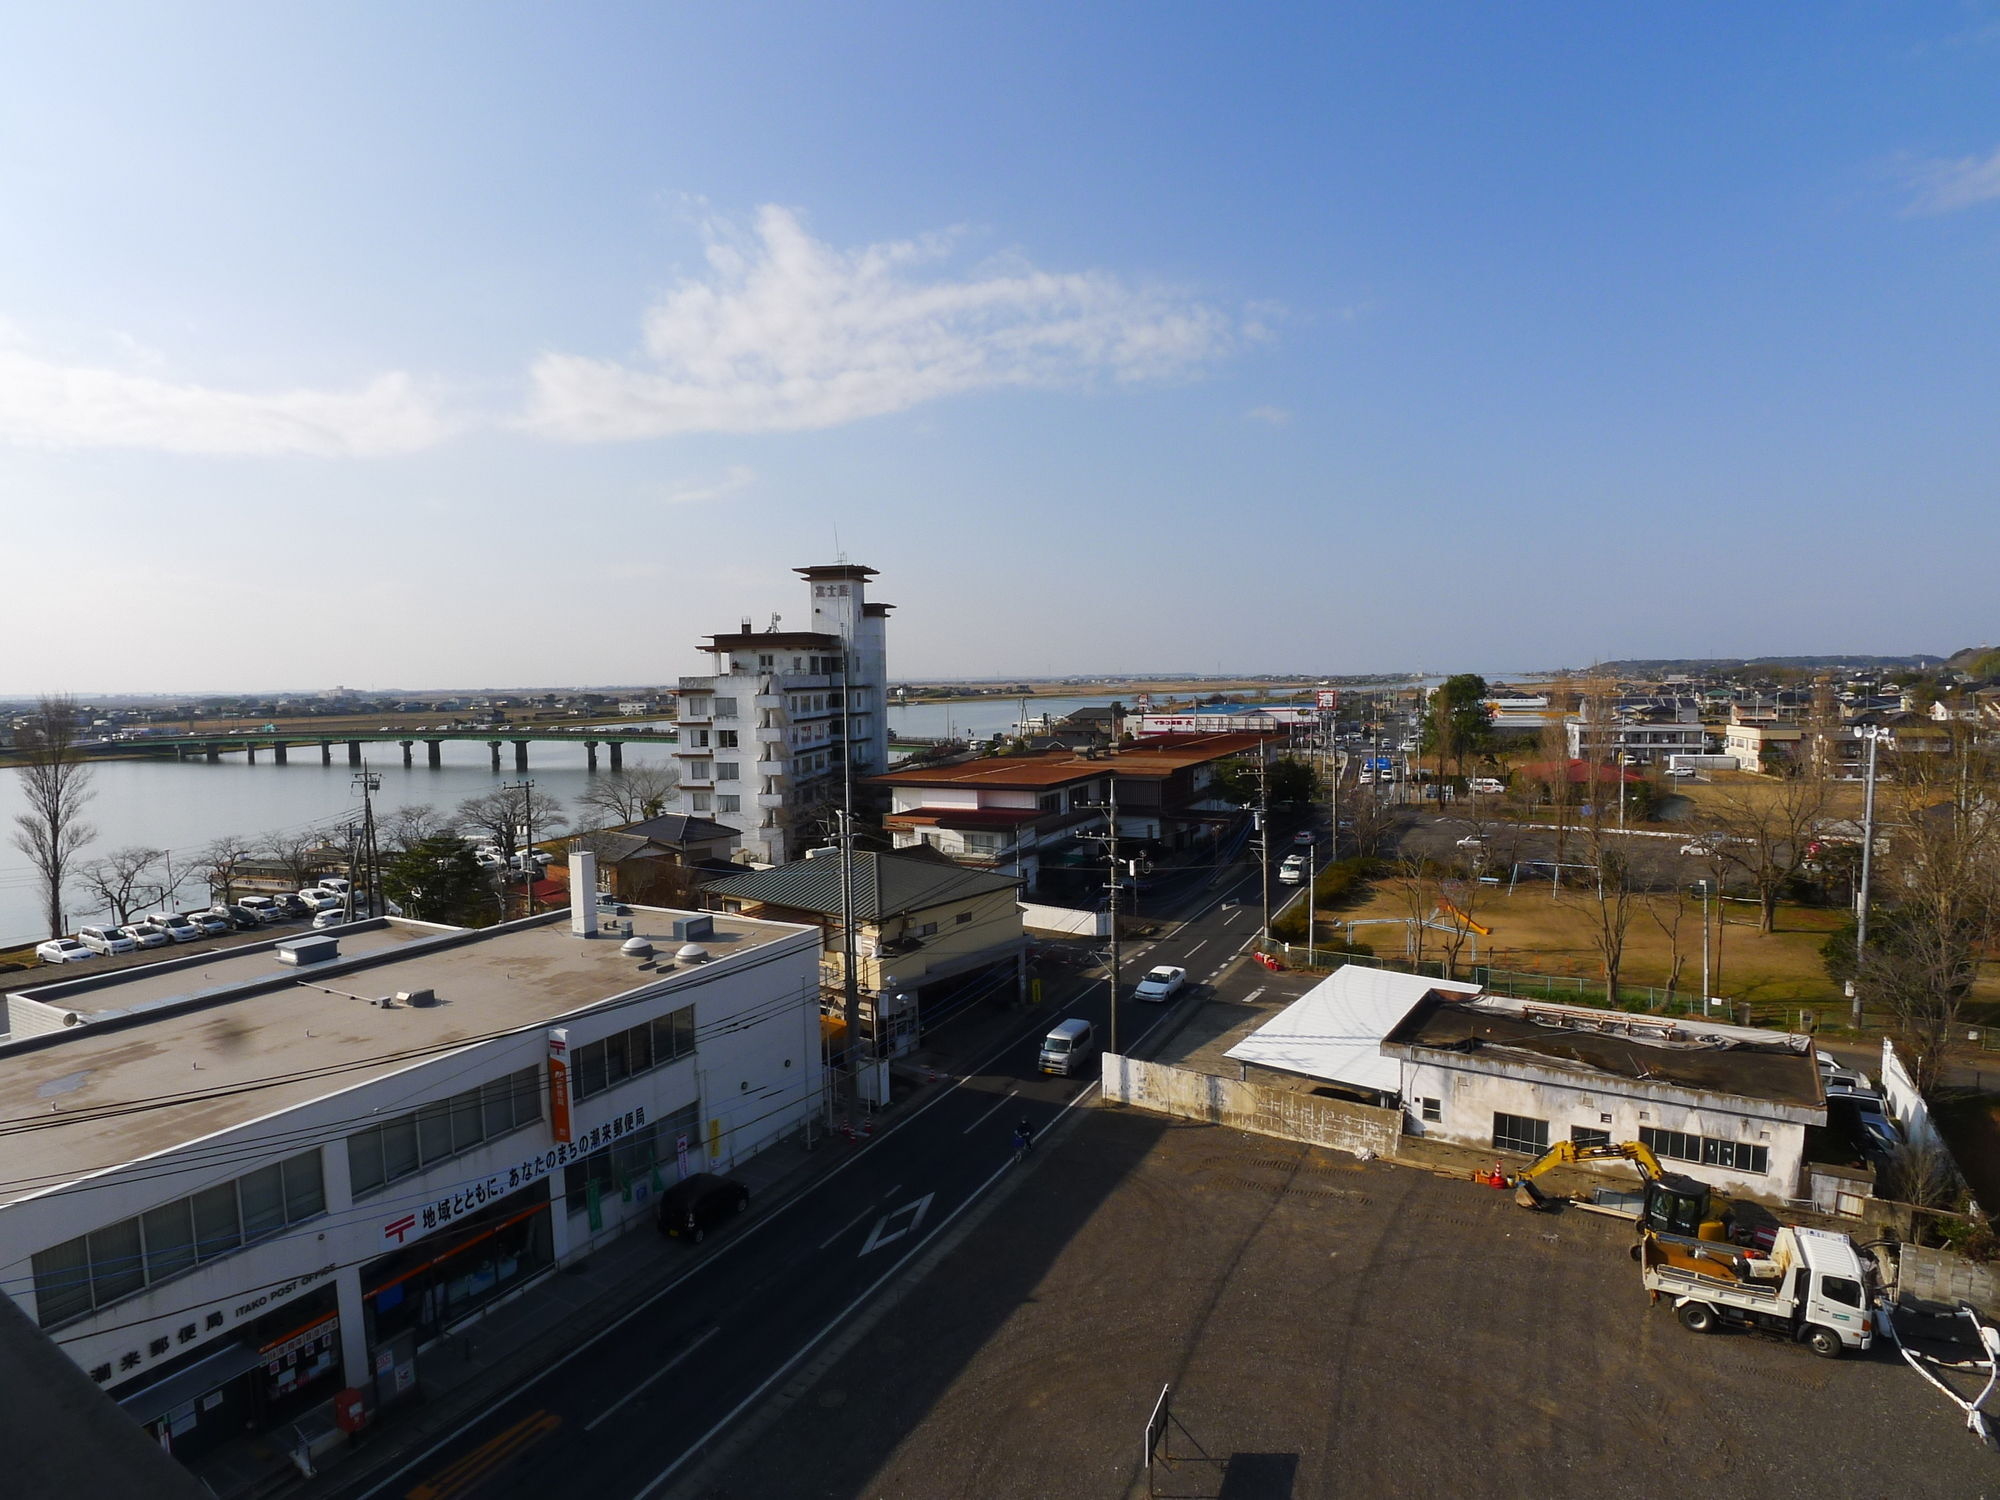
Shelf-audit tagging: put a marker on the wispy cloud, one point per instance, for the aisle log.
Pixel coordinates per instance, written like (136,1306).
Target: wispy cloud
(785,332)
(735,478)
(1943,187)
(1271,416)
(45,403)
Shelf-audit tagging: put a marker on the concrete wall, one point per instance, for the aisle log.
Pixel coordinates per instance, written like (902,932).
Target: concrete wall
(1063,921)
(1258,1108)
(1906,1105)
(1469,1097)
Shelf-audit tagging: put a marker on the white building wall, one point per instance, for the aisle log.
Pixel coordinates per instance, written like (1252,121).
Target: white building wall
(753,1083)
(1469,1098)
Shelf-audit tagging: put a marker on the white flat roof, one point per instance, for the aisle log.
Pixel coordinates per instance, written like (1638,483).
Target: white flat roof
(1334,1031)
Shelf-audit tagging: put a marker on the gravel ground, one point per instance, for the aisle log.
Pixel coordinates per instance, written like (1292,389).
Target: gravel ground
(1330,1328)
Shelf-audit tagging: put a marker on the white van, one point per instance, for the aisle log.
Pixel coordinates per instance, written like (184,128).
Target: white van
(106,940)
(1293,870)
(1486,786)
(1067,1048)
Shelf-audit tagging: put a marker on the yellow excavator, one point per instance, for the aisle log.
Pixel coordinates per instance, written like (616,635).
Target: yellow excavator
(1675,1205)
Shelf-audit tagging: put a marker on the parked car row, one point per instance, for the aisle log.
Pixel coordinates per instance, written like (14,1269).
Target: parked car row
(324,905)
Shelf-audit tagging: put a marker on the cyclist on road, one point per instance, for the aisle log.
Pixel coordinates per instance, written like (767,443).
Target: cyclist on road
(1024,1135)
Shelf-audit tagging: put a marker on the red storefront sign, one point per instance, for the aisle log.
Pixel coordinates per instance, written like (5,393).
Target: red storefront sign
(559,1083)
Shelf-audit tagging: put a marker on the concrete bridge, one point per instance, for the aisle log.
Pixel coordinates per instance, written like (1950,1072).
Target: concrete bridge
(213,747)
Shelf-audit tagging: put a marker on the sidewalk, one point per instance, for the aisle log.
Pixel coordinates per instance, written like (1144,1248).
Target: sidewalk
(483,1359)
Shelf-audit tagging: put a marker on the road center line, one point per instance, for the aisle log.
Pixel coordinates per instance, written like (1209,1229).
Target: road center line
(848,1311)
(396,1470)
(591,1425)
(850,1224)
(997,1104)
(1195,949)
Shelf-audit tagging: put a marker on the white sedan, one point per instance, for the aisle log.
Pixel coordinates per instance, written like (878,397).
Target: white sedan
(1162,983)
(62,951)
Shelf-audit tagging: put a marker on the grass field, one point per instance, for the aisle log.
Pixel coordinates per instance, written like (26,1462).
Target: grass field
(1776,974)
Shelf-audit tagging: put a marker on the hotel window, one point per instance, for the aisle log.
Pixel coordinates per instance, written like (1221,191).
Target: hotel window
(725,739)
(728,802)
(728,770)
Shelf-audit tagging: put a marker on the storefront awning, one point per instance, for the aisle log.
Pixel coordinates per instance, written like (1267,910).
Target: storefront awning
(191,1384)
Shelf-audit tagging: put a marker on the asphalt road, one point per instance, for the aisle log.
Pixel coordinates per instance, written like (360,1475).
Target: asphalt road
(759,1297)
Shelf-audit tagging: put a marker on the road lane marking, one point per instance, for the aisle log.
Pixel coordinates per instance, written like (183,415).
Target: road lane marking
(852,1223)
(591,1425)
(728,1247)
(892,1192)
(653,1486)
(490,1455)
(1001,1103)
(1247,999)
(877,1239)
(1195,949)
(1234,913)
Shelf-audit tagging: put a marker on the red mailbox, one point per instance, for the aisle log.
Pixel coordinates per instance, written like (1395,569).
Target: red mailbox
(348,1412)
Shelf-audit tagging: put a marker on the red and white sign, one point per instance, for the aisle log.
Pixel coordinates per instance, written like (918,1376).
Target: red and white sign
(1328,700)
(559,1083)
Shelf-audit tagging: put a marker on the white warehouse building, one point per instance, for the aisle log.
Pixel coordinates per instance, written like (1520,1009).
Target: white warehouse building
(243,1181)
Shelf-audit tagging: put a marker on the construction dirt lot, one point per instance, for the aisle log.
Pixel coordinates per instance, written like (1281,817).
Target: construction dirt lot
(1329,1328)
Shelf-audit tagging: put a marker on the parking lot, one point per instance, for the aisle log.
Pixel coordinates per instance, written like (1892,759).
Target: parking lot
(1329,1328)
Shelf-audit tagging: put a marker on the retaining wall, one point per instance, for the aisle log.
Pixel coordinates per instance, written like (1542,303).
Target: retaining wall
(1287,1114)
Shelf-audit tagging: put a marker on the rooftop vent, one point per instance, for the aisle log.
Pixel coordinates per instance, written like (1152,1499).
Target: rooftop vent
(692,953)
(417,998)
(316,949)
(687,929)
(636,947)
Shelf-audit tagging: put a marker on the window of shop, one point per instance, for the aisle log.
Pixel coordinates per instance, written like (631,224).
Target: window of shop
(616,1167)
(115,1262)
(624,1054)
(431,1284)
(396,1148)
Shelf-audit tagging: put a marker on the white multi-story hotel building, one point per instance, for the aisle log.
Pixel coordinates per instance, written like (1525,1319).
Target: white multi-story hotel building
(762,737)
(242,1181)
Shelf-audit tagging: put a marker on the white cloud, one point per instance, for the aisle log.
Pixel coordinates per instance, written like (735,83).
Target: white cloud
(1274,416)
(1944,187)
(785,332)
(47,404)
(735,478)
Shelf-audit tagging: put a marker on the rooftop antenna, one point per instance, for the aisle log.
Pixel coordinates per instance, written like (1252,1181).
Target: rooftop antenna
(839,555)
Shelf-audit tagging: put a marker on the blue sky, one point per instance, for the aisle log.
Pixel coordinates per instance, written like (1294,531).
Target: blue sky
(486,344)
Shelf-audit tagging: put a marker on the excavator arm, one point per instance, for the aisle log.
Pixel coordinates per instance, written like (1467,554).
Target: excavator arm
(1568,1153)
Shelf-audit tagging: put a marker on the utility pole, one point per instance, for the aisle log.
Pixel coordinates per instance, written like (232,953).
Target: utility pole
(1264,840)
(1704,947)
(527,790)
(1109,808)
(1867,863)
(850,988)
(365,866)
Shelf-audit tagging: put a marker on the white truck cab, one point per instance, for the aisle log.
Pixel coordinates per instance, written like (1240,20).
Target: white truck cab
(1812,1287)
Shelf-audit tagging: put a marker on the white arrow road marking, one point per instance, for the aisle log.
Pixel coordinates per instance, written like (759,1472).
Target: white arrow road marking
(882,1235)
(1253,994)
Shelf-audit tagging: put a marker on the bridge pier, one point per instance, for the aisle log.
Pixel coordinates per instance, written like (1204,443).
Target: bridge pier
(520,755)
(326,752)
(590,753)
(617,755)
(214,752)
(354,752)
(249,755)
(278,752)
(494,746)
(436,748)
(406,744)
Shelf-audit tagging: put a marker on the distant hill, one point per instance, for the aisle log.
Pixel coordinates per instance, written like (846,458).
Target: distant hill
(1977,661)
(1701,666)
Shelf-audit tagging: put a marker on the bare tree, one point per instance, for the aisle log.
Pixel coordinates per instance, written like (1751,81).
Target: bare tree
(55,785)
(1416,894)
(1609,906)
(302,855)
(128,881)
(1455,902)
(1767,830)
(220,862)
(506,815)
(1667,912)
(631,795)
(406,827)
(1942,888)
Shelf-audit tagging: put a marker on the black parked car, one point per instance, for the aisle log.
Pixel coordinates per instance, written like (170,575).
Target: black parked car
(242,918)
(292,906)
(696,1204)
